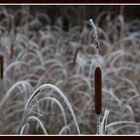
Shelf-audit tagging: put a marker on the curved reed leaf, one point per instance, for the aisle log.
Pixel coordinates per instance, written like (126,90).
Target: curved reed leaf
(45,86)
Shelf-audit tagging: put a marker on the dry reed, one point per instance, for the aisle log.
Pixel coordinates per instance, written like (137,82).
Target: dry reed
(1,67)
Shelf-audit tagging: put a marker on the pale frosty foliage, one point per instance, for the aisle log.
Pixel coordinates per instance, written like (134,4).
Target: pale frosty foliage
(36,52)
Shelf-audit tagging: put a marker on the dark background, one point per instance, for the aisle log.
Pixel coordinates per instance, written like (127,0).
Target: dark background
(83,11)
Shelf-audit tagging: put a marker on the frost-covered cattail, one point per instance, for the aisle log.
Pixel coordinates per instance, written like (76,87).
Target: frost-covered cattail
(98,90)
(1,67)
(97,74)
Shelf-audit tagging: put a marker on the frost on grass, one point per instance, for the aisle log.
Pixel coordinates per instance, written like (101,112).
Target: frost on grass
(102,122)
(43,87)
(36,52)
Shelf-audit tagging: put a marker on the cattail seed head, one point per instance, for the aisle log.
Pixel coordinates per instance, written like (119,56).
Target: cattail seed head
(1,67)
(98,90)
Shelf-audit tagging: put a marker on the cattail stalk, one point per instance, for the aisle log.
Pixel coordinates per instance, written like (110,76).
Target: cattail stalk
(97,74)
(101,122)
(98,90)
(1,67)
(95,35)
(102,117)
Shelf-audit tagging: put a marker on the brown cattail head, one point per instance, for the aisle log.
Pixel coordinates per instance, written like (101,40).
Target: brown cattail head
(1,67)
(98,90)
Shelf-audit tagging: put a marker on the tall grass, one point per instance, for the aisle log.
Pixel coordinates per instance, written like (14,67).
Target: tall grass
(37,55)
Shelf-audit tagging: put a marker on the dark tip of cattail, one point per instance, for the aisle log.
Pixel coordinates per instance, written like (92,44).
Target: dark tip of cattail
(98,90)
(1,67)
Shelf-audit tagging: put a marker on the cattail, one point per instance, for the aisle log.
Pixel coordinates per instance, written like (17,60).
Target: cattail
(1,67)
(11,52)
(98,90)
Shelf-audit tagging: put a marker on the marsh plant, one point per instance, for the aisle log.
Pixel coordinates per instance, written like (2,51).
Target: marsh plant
(76,82)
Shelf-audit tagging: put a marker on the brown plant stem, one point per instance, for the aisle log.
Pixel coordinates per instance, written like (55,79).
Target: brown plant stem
(1,67)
